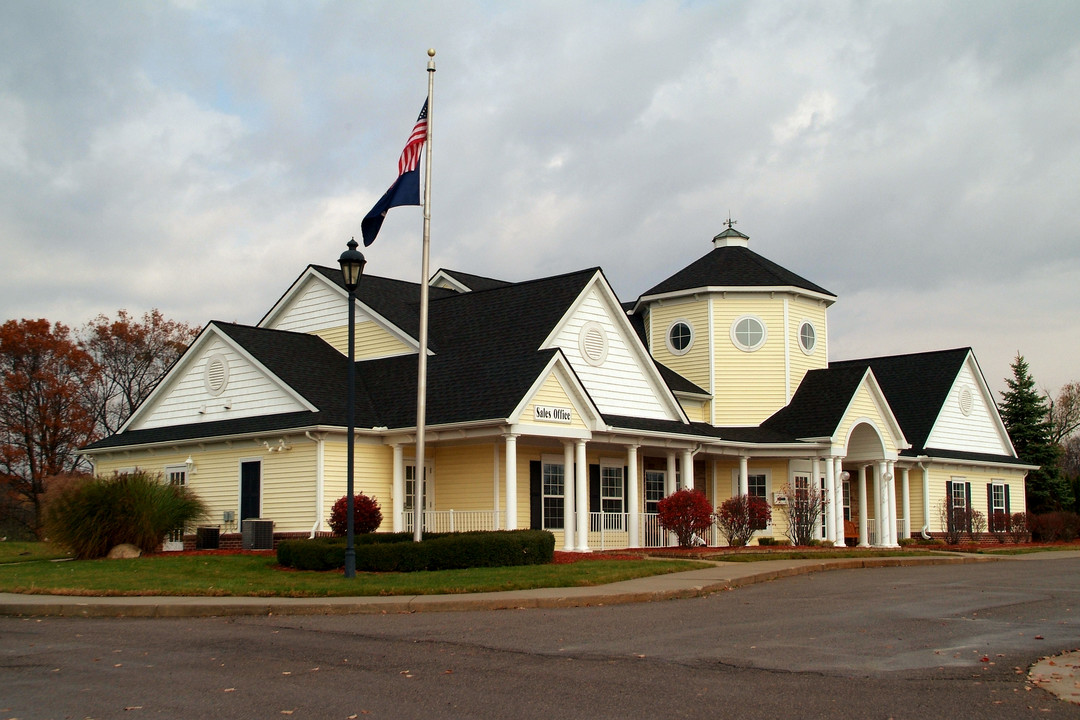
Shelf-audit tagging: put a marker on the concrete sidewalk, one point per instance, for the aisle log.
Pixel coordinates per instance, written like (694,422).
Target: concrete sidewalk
(692,583)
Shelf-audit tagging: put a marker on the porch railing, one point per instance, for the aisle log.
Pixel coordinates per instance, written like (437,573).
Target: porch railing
(455,520)
(873,534)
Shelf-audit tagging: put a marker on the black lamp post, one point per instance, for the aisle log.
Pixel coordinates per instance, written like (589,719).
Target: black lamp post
(352,267)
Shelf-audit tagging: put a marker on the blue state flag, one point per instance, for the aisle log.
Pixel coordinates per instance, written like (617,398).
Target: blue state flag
(406,188)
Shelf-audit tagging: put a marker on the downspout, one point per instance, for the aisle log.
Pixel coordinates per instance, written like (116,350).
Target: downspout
(925,532)
(319,467)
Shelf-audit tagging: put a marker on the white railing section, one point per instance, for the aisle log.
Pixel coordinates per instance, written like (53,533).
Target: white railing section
(455,520)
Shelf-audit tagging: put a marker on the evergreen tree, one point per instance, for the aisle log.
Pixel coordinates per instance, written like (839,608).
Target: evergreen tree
(1026,416)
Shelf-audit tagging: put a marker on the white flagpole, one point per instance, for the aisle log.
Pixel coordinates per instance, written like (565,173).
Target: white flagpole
(421,365)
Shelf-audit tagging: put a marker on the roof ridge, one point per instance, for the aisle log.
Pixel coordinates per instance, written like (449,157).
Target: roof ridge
(897,356)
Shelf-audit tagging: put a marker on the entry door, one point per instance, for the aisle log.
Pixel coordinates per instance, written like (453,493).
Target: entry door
(250,489)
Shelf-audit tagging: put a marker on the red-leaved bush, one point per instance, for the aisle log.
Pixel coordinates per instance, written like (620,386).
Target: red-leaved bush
(686,513)
(366,514)
(739,516)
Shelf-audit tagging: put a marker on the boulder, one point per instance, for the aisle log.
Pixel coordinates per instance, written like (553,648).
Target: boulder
(123,551)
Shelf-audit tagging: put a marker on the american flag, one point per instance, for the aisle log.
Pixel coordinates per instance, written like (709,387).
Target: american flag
(405,190)
(410,156)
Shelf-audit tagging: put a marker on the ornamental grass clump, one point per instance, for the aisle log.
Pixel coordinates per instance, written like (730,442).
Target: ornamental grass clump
(687,514)
(139,508)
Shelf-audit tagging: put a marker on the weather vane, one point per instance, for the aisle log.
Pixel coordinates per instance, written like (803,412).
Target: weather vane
(729,222)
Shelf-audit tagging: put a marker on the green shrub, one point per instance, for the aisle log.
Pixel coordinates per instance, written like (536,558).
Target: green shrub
(905,542)
(139,508)
(396,552)
(771,541)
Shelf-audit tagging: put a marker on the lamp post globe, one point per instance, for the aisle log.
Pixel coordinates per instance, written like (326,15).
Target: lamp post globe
(352,267)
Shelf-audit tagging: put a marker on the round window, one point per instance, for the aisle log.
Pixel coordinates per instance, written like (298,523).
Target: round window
(748,333)
(807,337)
(680,336)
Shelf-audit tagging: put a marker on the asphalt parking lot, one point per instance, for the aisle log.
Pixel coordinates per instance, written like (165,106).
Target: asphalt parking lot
(927,642)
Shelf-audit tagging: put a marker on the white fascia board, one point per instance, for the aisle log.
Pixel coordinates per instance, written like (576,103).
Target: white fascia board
(210,440)
(882,406)
(286,298)
(988,399)
(212,330)
(929,457)
(446,277)
(311,273)
(583,403)
(193,350)
(742,289)
(633,342)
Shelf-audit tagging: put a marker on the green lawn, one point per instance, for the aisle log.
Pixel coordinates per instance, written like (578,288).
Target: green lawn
(257,575)
(23,551)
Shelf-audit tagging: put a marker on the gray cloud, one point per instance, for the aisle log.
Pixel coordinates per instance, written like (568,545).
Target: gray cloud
(920,160)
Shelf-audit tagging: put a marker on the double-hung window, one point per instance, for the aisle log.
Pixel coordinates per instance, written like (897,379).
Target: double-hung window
(611,496)
(757,485)
(553,479)
(654,489)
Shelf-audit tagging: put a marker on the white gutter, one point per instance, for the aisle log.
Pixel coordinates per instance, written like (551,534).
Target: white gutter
(319,479)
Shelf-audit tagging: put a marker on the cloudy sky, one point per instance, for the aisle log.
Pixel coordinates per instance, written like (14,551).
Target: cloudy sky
(921,160)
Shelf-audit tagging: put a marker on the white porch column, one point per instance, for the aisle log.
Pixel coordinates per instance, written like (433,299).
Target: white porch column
(881,507)
(815,481)
(511,481)
(495,483)
(398,492)
(925,499)
(838,506)
(687,470)
(890,497)
(864,538)
(830,509)
(905,503)
(633,505)
(581,506)
(669,478)
(568,496)
(744,475)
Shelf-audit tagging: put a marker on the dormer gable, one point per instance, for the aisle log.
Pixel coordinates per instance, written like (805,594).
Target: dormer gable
(318,304)
(606,353)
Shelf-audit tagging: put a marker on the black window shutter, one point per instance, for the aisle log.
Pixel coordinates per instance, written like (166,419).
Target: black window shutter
(594,489)
(536,496)
(990,504)
(948,506)
(626,490)
(1007,510)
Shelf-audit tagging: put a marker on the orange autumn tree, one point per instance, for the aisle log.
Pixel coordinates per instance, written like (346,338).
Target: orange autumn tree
(132,356)
(44,418)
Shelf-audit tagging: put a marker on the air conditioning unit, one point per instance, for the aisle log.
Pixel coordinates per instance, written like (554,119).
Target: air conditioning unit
(257,534)
(779,498)
(207,538)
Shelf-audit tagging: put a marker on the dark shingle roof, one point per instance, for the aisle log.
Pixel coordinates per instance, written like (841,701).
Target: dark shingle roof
(487,355)
(474,282)
(818,405)
(396,300)
(733,266)
(916,387)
